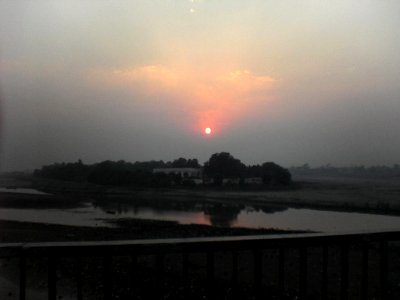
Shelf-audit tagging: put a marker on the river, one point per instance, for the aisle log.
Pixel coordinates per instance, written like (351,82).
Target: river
(96,213)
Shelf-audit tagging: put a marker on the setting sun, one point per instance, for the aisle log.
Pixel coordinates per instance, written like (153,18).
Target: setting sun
(207,130)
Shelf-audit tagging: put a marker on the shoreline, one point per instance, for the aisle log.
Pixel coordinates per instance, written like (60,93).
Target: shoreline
(126,229)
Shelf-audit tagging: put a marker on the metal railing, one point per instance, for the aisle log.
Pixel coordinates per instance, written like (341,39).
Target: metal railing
(304,265)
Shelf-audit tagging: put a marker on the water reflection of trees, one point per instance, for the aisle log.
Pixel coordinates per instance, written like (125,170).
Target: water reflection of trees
(272,208)
(136,206)
(222,215)
(218,214)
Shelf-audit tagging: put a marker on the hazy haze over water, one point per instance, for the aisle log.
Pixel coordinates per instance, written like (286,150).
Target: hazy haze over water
(284,81)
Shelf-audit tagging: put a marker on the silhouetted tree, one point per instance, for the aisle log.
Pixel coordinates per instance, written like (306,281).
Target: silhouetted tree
(76,171)
(272,173)
(185,163)
(193,163)
(223,165)
(179,163)
(111,173)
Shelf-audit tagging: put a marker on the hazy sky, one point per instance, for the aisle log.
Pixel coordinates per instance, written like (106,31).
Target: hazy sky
(286,81)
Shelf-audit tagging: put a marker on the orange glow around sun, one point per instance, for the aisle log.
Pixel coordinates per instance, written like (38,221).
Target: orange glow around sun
(211,97)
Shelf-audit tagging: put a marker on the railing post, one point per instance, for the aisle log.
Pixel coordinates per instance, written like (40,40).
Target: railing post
(324,290)
(22,276)
(383,269)
(235,275)
(185,274)
(107,278)
(364,270)
(133,274)
(210,275)
(160,275)
(344,278)
(281,272)
(303,273)
(52,278)
(257,273)
(78,275)
(234,268)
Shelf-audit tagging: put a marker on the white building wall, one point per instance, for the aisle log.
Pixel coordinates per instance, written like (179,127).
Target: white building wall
(184,172)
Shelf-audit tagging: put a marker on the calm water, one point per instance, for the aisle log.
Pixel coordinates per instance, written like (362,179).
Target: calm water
(208,213)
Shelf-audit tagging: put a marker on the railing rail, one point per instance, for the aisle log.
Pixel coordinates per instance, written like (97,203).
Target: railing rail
(53,251)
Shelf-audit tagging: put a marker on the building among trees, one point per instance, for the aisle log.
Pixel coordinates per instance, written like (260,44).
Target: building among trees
(183,172)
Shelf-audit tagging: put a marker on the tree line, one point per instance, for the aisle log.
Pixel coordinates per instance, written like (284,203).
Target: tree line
(353,171)
(221,166)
